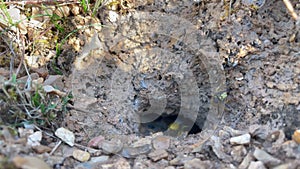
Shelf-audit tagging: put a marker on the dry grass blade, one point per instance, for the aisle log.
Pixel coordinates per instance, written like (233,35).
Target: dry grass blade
(290,7)
(48,2)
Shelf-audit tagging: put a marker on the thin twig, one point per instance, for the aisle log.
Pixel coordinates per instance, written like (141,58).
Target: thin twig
(290,7)
(56,146)
(39,36)
(79,109)
(23,54)
(12,59)
(85,148)
(48,134)
(5,51)
(230,9)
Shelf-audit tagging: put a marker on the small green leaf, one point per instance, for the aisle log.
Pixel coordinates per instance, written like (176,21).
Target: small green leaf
(96,6)
(43,108)
(51,107)
(223,96)
(36,99)
(84,4)
(14,78)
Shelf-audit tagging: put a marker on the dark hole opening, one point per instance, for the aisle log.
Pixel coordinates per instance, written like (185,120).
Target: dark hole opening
(164,123)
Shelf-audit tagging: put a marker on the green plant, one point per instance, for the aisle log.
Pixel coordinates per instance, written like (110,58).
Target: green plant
(7,19)
(98,3)
(86,6)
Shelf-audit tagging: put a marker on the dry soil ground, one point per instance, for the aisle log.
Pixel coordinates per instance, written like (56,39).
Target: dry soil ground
(175,84)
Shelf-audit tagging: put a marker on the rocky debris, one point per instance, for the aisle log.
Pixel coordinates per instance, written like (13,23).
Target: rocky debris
(53,160)
(100,159)
(256,165)
(219,150)
(156,151)
(111,147)
(34,139)
(81,156)
(142,142)
(246,161)
(243,139)
(238,153)
(29,162)
(94,163)
(287,166)
(96,142)
(233,132)
(158,154)
(65,135)
(259,131)
(265,157)
(198,164)
(132,152)
(40,149)
(117,163)
(180,160)
(24,132)
(291,149)
(170,167)
(276,139)
(121,164)
(161,142)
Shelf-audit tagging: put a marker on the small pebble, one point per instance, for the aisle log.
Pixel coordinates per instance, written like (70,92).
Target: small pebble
(142,142)
(81,156)
(161,142)
(259,131)
(40,149)
(265,157)
(111,147)
(66,136)
(24,132)
(132,152)
(34,139)
(243,139)
(75,10)
(180,160)
(256,165)
(93,163)
(100,159)
(198,164)
(238,153)
(158,154)
(284,166)
(246,161)
(121,164)
(96,142)
(170,167)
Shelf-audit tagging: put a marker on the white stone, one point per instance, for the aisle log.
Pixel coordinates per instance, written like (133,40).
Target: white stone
(66,136)
(242,139)
(256,165)
(34,139)
(265,157)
